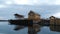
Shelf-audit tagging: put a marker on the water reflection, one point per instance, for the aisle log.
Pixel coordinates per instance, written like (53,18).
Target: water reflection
(33,29)
(18,27)
(55,28)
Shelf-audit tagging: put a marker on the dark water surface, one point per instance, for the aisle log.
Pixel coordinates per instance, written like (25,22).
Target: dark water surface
(5,28)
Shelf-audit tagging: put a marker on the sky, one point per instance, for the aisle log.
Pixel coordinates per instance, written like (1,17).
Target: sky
(45,8)
(30,2)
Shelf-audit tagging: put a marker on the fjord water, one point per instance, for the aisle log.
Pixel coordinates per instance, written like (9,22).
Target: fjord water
(6,28)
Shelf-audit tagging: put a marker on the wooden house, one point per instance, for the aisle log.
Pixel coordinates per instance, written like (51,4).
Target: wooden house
(54,20)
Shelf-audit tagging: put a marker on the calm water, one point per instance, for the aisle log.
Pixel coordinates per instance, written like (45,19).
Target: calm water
(5,28)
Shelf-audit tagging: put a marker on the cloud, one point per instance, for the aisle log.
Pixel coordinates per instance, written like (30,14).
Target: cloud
(57,14)
(8,2)
(31,2)
(2,18)
(21,1)
(38,2)
(2,6)
(57,2)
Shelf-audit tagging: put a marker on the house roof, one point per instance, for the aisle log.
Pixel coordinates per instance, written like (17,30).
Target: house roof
(52,16)
(18,15)
(31,12)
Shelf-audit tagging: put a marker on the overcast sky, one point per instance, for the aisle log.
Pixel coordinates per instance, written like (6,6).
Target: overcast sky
(30,2)
(46,8)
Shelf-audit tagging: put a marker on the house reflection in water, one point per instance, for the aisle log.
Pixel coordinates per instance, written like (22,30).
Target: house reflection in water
(33,29)
(55,28)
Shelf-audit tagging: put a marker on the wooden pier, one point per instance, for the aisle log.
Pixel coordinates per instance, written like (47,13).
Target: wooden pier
(24,22)
(27,22)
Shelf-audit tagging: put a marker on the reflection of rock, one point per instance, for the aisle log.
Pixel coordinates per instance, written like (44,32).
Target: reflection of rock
(18,27)
(55,28)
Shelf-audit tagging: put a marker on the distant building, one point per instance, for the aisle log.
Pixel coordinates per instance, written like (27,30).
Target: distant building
(37,17)
(31,15)
(54,20)
(34,16)
(52,17)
